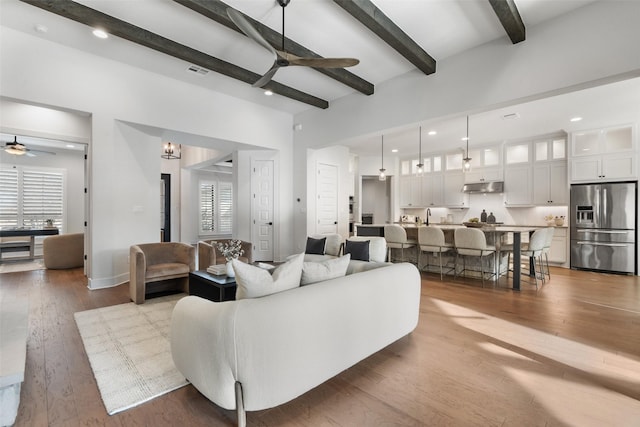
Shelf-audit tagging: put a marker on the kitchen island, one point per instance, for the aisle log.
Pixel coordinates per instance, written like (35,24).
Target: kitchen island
(496,235)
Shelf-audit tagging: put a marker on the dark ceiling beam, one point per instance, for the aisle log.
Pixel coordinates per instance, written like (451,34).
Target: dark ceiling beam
(217,11)
(376,21)
(119,28)
(508,14)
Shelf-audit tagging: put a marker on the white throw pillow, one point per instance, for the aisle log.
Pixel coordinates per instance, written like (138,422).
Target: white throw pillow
(313,272)
(254,282)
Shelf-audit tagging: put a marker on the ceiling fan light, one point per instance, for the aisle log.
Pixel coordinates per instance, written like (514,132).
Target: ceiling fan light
(15,151)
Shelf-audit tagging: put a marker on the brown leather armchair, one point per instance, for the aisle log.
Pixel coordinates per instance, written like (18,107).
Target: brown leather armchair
(208,253)
(151,265)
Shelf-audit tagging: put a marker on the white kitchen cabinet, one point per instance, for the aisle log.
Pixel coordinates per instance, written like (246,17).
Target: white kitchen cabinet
(558,250)
(483,175)
(608,167)
(604,155)
(452,187)
(518,189)
(411,191)
(432,191)
(550,186)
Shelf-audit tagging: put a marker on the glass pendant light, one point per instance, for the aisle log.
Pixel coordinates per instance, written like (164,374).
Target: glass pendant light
(420,165)
(382,176)
(466,166)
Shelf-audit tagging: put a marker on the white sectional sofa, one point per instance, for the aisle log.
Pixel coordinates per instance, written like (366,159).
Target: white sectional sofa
(254,354)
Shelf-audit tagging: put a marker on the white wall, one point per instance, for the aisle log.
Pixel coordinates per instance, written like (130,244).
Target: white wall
(125,165)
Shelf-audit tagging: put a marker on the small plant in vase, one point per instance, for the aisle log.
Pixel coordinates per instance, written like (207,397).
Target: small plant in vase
(230,250)
(549,219)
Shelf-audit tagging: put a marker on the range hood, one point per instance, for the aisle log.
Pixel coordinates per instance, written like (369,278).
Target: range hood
(484,187)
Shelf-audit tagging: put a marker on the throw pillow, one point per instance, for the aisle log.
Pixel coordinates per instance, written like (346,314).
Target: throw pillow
(313,272)
(254,282)
(315,246)
(358,250)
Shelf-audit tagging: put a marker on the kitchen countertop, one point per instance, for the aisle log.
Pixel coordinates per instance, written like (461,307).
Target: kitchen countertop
(454,225)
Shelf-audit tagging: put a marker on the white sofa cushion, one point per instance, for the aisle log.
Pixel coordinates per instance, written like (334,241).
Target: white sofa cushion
(333,243)
(313,272)
(254,282)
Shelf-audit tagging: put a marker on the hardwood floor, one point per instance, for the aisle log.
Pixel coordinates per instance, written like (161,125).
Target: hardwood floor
(565,355)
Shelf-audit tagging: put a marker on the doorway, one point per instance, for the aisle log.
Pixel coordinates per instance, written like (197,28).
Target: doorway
(376,199)
(165,207)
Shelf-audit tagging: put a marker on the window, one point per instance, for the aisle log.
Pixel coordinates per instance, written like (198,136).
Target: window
(28,196)
(216,207)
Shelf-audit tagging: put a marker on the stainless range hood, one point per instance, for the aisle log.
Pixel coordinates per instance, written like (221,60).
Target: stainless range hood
(484,187)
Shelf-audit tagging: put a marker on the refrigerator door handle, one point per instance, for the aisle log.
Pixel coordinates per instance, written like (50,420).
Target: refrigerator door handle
(605,212)
(602,231)
(614,245)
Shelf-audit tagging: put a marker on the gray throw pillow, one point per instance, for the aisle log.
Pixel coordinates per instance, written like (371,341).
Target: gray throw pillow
(315,246)
(358,250)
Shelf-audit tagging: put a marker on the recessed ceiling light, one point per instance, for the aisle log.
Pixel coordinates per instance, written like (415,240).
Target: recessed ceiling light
(101,34)
(432,132)
(575,119)
(41,28)
(395,150)
(70,146)
(268,92)
(464,138)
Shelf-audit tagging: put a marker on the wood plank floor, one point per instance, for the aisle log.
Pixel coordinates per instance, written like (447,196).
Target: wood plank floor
(565,355)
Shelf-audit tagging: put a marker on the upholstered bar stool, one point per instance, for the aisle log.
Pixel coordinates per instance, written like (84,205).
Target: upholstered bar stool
(532,250)
(396,238)
(471,242)
(431,240)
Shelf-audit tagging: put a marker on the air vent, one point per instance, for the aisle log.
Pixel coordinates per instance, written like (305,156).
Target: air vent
(511,116)
(198,70)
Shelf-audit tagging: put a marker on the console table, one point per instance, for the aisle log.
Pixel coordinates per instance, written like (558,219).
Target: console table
(24,245)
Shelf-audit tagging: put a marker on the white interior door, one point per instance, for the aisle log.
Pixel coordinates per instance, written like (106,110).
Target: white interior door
(262,183)
(327,206)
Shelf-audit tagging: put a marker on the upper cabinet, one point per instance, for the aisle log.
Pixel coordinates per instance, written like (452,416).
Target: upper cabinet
(486,165)
(604,155)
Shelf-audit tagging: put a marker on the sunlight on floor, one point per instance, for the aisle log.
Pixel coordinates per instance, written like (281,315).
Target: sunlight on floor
(589,401)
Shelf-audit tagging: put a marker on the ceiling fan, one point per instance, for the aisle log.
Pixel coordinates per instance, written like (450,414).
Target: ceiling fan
(18,149)
(281,57)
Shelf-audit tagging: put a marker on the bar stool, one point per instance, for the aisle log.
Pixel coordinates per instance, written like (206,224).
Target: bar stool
(533,251)
(431,240)
(396,238)
(547,247)
(472,242)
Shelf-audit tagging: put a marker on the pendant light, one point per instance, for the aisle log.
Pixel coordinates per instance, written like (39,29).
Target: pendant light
(169,151)
(466,167)
(420,165)
(382,176)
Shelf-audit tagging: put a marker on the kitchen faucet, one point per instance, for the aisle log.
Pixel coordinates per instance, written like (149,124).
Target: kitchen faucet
(428,215)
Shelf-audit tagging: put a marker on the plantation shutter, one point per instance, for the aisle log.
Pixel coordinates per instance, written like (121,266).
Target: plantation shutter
(207,206)
(9,198)
(42,197)
(225,208)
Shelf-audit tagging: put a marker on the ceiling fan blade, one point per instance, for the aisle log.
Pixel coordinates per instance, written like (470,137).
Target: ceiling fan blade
(318,62)
(30,150)
(266,78)
(249,30)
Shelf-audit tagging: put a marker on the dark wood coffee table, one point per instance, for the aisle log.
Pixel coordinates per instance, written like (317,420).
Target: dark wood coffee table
(212,287)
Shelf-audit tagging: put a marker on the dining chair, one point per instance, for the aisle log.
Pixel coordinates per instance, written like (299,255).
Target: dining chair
(472,242)
(431,240)
(532,250)
(396,237)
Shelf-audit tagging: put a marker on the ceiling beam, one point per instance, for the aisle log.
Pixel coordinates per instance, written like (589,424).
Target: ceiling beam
(508,14)
(376,21)
(217,11)
(125,30)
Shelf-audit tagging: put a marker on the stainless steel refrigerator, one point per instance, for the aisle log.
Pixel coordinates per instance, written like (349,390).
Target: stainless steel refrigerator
(603,227)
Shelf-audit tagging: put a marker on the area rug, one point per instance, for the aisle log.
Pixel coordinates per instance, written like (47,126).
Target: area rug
(129,351)
(11,266)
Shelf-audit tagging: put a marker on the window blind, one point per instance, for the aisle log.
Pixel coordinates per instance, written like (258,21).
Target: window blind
(216,207)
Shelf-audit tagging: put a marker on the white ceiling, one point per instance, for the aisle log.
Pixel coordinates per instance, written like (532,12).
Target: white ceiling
(443,28)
